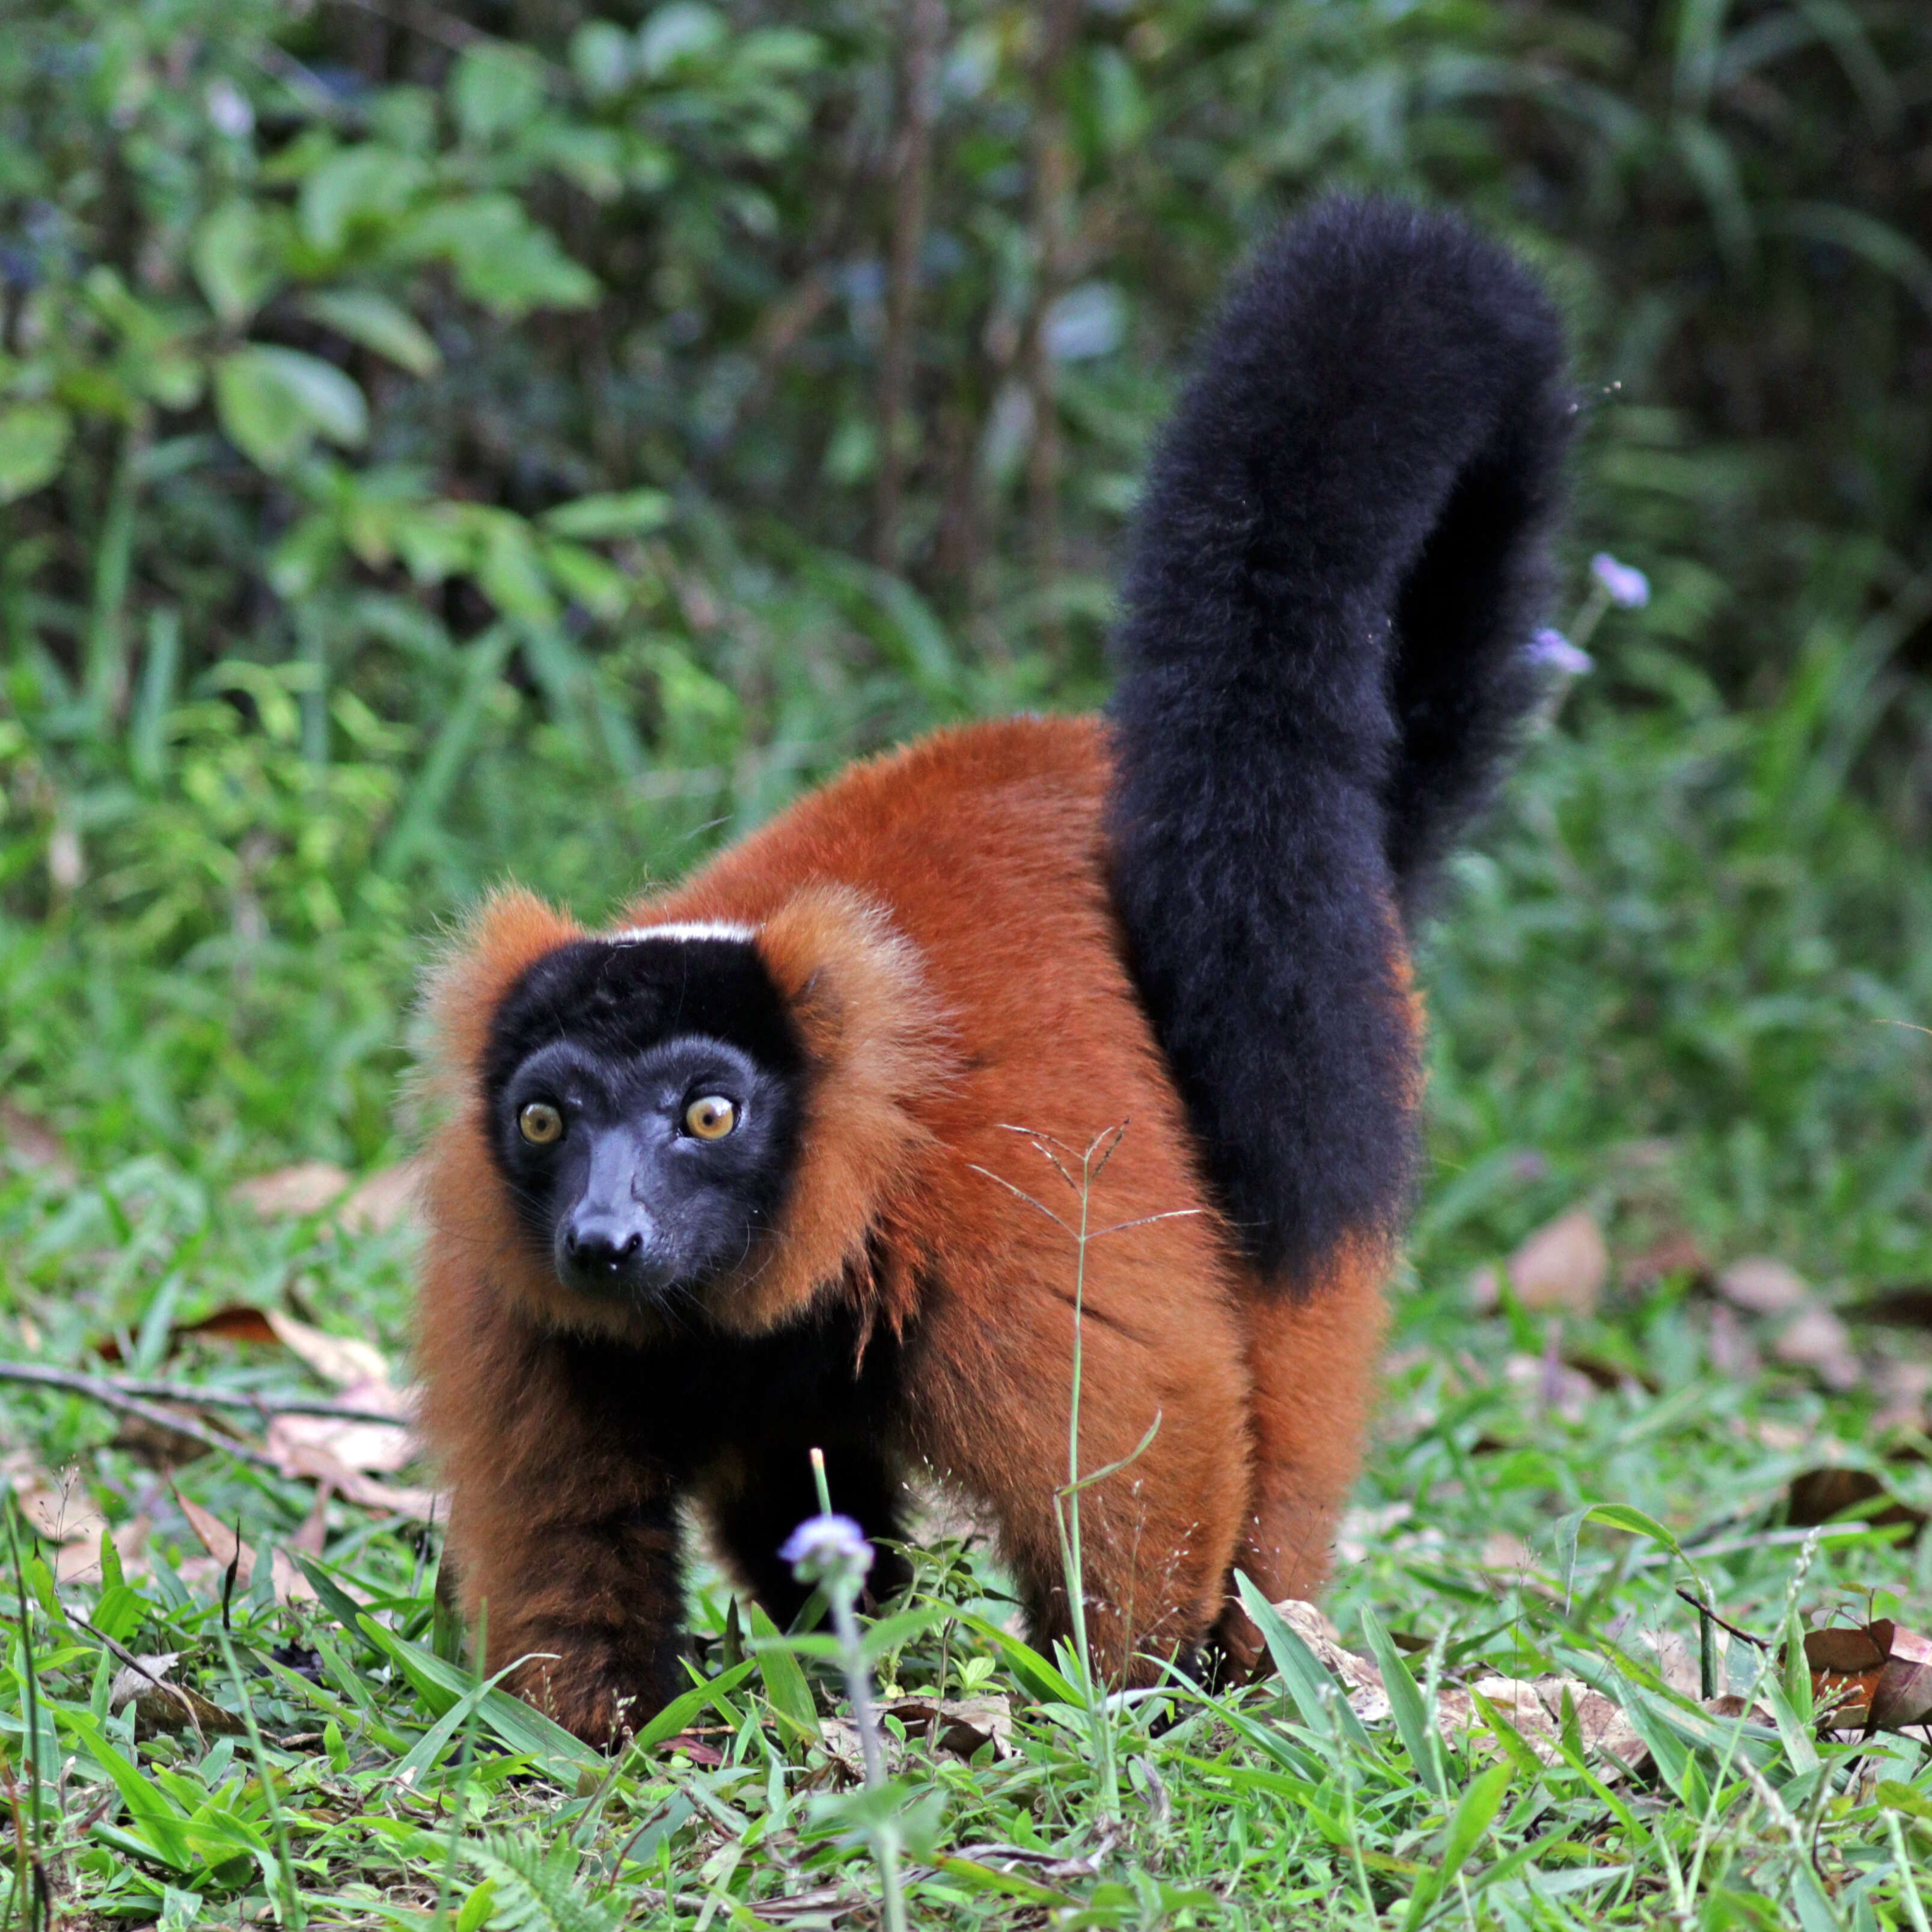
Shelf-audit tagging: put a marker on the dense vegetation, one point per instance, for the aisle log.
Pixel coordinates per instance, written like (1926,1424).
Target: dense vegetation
(443,441)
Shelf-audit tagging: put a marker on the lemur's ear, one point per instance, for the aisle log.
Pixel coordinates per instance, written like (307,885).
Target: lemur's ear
(875,1042)
(509,932)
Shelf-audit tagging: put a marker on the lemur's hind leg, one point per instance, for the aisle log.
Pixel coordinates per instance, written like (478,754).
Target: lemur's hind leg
(1163,1403)
(1313,1359)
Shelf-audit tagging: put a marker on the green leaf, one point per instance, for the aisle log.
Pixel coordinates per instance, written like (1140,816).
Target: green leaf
(234,260)
(376,323)
(1895,1796)
(1621,1515)
(585,577)
(892,1633)
(524,1728)
(540,1890)
(1514,1746)
(274,402)
(600,57)
(627,513)
(989,1878)
(1040,1678)
(496,92)
(499,256)
(1879,243)
(118,1613)
(678,35)
(1474,1816)
(785,1685)
(1815,1912)
(474,1913)
(33,440)
(364,187)
(680,1711)
(162,1827)
(1406,1703)
(1322,1702)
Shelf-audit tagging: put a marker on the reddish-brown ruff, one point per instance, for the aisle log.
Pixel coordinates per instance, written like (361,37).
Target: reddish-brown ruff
(939,920)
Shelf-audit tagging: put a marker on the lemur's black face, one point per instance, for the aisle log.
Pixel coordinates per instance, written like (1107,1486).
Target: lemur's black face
(642,1102)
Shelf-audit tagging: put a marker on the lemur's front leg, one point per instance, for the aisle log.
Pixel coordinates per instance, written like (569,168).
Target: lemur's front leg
(566,1535)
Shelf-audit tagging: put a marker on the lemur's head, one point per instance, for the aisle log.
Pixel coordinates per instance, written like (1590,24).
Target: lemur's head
(642,1099)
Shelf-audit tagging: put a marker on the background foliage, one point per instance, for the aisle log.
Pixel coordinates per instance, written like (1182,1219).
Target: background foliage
(439,442)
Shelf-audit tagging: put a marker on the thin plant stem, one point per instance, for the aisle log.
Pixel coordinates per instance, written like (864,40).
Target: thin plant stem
(465,1763)
(841,1585)
(1068,1501)
(292,1914)
(1908,1886)
(32,1880)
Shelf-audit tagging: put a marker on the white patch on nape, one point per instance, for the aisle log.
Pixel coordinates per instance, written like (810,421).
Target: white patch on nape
(697,928)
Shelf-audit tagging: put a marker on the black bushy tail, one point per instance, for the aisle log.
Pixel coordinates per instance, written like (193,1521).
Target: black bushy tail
(1340,556)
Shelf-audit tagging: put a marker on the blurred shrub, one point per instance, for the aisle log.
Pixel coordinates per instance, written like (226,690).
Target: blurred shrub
(440,440)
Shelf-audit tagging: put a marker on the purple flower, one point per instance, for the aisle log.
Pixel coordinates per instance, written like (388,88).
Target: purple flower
(1629,589)
(828,1549)
(1551,650)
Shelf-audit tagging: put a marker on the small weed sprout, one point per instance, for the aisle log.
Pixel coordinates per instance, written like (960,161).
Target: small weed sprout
(831,1551)
(1091,1162)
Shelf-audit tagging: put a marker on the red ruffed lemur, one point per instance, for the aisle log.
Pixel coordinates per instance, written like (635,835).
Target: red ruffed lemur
(737,1176)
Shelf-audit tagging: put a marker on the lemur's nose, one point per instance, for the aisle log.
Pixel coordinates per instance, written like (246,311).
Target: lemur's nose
(601,1242)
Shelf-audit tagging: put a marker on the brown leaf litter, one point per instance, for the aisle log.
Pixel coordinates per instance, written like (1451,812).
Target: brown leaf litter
(382,1201)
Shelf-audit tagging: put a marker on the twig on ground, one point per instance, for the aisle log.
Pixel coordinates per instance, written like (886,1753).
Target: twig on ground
(1723,1623)
(117,1390)
(108,1396)
(140,1670)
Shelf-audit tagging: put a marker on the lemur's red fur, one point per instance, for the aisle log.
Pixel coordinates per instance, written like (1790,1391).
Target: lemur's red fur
(940,922)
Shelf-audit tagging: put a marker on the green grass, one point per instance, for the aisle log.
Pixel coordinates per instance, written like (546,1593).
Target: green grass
(1664,991)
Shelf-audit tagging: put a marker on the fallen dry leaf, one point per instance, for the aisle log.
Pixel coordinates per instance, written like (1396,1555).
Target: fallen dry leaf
(1870,1677)
(1563,1266)
(63,1515)
(223,1544)
(235,1322)
(311,1461)
(1734,1356)
(1818,1495)
(1902,1387)
(1816,1340)
(385,1200)
(155,1444)
(346,1361)
(377,1203)
(161,1706)
(1563,1390)
(307,1187)
(31,1142)
(1678,1253)
(1761,1285)
(1906,1307)
(963,1724)
(695,1748)
(380,1448)
(1534,1707)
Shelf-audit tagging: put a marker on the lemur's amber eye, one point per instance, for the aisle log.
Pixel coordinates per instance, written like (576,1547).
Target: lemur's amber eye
(540,1123)
(711,1118)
